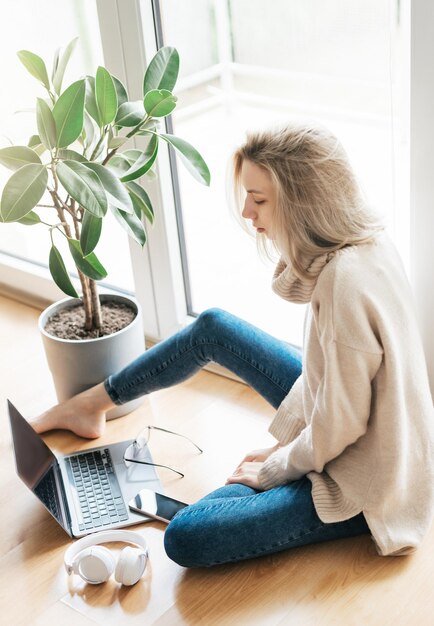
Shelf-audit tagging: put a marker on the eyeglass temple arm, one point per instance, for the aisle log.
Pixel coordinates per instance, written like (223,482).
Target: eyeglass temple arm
(171,432)
(154,465)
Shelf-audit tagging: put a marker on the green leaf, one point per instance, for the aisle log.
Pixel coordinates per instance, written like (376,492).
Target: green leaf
(152,124)
(90,100)
(162,71)
(151,175)
(132,224)
(84,186)
(68,114)
(23,191)
(191,158)
(30,219)
(141,201)
(46,124)
(35,65)
(106,96)
(133,154)
(71,155)
(90,232)
(120,90)
(118,164)
(102,149)
(159,102)
(34,140)
(59,273)
(90,266)
(61,65)
(116,192)
(90,132)
(15,157)
(117,142)
(144,163)
(55,63)
(36,145)
(130,114)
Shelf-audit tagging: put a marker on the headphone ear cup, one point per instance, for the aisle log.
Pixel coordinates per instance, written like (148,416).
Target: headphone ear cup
(130,566)
(95,565)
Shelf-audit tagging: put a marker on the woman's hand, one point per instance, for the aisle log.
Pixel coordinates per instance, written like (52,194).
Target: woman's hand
(247,474)
(260,455)
(247,471)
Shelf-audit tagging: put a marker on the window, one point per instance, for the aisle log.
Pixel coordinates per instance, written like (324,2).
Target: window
(245,66)
(351,65)
(53,25)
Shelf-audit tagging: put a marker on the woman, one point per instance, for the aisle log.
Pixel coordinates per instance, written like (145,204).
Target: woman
(354,426)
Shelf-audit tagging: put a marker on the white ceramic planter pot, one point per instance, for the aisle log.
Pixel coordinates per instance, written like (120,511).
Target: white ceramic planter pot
(76,365)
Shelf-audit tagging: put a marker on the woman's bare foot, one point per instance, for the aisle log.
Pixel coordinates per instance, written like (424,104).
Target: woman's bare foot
(84,414)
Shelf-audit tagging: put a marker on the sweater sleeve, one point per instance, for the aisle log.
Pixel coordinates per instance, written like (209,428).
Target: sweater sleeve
(340,415)
(289,420)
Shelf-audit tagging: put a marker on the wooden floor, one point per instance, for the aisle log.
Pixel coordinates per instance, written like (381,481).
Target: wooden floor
(340,583)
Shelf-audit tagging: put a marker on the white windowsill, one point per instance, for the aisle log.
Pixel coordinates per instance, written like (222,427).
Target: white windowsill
(30,284)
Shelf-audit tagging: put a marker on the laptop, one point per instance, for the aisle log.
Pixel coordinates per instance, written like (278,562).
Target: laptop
(86,491)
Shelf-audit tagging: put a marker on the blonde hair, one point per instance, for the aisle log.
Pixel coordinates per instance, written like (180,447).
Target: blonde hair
(320,207)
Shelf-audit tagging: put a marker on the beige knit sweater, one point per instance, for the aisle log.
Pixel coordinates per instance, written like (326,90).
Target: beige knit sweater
(359,421)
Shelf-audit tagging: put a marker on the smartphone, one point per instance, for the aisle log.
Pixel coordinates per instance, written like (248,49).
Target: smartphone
(152,504)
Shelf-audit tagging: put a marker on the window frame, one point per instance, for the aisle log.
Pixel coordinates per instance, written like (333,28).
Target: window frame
(129,39)
(418,18)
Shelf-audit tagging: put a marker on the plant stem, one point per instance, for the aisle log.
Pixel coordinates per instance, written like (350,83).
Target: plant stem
(61,213)
(88,300)
(75,220)
(109,156)
(129,135)
(96,305)
(139,126)
(95,150)
(86,294)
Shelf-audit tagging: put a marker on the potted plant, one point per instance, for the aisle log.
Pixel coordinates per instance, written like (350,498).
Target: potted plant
(77,169)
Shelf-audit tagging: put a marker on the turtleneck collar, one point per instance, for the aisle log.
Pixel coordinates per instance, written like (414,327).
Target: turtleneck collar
(289,287)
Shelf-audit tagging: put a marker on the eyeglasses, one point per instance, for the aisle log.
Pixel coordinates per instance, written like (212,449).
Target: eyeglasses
(137,451)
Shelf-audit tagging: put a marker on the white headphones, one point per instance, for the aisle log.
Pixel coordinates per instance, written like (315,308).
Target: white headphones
(96,564)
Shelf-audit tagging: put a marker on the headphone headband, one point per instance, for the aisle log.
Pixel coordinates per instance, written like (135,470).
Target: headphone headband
(126,536)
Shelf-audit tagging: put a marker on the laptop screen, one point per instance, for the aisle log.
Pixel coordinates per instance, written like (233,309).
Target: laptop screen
(33,457)
(35,463)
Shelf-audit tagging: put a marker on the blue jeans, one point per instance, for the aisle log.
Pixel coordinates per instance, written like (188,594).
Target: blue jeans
(234,522)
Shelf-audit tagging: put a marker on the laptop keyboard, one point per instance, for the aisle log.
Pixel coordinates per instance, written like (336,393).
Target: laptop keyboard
(98,490)
(46,492)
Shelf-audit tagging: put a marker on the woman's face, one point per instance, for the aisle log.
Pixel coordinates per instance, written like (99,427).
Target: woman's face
(260,199)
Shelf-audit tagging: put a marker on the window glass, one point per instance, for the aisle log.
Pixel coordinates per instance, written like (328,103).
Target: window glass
(42,28)
(247,64)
